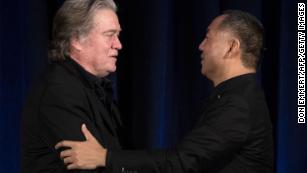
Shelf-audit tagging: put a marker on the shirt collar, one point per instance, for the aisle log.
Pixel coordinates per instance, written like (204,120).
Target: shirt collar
(238,81)
(92,80)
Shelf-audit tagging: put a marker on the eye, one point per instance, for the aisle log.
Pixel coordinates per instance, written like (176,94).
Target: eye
(111,34)
(108,34)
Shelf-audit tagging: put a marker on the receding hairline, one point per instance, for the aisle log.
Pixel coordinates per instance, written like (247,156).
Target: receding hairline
(220,26)
(94,22)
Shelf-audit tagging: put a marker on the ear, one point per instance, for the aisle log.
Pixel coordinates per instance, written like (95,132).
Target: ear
(76,43)
(234,47)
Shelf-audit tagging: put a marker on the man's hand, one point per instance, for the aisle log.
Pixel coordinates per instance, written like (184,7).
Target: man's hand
(87,154)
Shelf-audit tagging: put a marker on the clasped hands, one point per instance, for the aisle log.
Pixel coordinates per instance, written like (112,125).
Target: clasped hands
(88,154)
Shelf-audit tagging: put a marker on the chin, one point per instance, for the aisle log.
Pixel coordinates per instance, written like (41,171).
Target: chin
(203,71)
(112,70)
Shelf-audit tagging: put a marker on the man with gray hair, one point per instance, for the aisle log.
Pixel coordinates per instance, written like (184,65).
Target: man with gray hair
(74,90)
(234,133)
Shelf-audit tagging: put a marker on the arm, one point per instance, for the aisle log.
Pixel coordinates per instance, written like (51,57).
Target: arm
(215,138)
(88,154)
(213,141)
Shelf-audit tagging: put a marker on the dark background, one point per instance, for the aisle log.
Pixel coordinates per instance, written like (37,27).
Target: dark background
(158,83)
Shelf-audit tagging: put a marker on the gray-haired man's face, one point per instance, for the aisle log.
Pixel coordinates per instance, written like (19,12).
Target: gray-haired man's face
(99,49)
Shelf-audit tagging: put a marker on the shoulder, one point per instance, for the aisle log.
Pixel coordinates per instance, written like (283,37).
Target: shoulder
(60,74)
(228,108)
(62,84)
(227,104)
(229,116)
(233,100)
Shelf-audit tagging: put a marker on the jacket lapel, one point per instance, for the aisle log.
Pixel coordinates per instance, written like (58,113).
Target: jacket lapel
(101,115)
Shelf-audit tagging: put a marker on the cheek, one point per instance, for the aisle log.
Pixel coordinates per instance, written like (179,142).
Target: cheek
(102,50)
(102,45)
(210,48)
(216,51)
(106,48)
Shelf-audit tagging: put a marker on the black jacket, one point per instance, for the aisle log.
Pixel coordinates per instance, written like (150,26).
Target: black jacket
(55,110)
(234,135)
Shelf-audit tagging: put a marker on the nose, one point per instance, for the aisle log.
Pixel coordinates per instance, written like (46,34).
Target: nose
(117,44)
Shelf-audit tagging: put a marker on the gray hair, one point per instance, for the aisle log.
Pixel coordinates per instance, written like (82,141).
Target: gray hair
(74,18)
(249,31)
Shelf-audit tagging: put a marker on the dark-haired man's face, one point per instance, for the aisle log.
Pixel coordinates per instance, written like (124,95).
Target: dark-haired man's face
(213,49)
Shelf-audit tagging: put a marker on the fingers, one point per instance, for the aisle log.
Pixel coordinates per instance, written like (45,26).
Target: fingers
(72,166)
(66,153)
(61,144)
(68,160)
(87,133)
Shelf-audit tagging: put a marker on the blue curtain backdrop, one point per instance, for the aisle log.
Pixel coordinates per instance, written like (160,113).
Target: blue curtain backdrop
(159,87)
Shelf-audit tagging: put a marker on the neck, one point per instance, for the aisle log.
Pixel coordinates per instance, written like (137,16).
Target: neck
(233,73)
(84,64)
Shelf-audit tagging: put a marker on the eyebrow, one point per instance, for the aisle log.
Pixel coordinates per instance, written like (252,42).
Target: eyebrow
(113,30)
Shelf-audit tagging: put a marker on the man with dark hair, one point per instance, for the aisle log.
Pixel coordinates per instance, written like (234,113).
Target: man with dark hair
(234,133)
(250,32)
(74,91)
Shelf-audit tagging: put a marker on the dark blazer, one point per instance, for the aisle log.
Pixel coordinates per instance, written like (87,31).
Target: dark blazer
(234,135)
(55,110)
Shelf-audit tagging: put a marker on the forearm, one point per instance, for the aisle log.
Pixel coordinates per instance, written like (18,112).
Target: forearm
(143,161)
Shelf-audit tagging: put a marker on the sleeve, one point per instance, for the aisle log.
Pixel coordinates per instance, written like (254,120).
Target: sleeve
(62,112)
(212,141)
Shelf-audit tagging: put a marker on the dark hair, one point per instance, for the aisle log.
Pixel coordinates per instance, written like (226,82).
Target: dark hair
(249,31)
(74,18)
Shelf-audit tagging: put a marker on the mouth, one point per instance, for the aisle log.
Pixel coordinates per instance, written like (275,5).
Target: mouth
(202,57)
(114,56)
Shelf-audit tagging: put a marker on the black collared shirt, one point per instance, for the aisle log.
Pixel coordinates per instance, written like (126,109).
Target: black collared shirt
(233,83)
(234,135)
(102,86)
